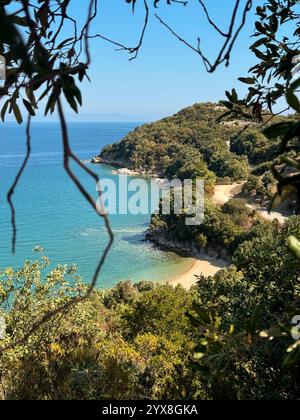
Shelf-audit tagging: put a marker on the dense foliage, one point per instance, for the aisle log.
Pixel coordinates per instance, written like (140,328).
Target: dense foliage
(152,340)
(253,144)
(190,143)
(260,187)
(131,342)
(245,313)
(231,336)
(275,76)
(223,229)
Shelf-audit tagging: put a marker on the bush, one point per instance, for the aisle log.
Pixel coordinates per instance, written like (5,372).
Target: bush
(236,206)
(254,145)
(243,315)
(202,241)
(160,311)
(225,164)
(261,187)
(222,228)
(190,165)
(131,342)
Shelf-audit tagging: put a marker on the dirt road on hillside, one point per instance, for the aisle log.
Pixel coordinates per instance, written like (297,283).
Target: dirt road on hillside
(223,193)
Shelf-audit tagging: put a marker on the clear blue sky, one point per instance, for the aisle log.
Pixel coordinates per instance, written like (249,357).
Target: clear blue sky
(166,76)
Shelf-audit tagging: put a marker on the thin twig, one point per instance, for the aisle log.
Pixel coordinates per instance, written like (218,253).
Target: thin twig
(122,47)
(15,183)
(212,23)
(230,37)
(68,154)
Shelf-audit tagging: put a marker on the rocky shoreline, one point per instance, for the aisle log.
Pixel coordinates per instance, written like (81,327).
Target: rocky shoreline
(99,160)
(122,169)
(159,238)
(186,249)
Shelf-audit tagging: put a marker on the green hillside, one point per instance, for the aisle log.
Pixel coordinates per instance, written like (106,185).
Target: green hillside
(191,143)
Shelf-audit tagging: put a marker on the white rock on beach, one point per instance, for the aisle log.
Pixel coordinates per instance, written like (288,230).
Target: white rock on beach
(124,171)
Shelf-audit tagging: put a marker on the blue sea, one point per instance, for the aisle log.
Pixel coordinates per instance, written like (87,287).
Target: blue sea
(51,213)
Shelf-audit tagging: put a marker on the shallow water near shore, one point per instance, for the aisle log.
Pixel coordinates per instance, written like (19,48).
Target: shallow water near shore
(51,213)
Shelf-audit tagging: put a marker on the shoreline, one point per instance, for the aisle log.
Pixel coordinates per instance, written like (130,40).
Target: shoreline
(120,168)
(222,194)
(206,266)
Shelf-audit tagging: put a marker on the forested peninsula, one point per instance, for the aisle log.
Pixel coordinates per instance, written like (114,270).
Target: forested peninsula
(227,337)
(195,143)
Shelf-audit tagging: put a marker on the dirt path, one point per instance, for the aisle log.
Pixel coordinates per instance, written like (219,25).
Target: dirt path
(223,193)
(268,216)
(210,266)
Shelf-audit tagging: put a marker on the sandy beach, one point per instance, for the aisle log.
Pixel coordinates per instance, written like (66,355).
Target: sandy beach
(207,267)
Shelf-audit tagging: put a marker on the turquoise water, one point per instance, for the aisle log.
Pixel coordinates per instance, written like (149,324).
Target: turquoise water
(51,213)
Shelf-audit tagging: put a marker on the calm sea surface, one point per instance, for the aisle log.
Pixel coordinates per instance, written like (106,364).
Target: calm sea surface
(51,213)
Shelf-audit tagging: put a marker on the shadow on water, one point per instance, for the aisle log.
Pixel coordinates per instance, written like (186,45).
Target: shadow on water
(134,239)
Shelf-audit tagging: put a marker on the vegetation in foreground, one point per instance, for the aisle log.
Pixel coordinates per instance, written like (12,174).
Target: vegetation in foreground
(154,341)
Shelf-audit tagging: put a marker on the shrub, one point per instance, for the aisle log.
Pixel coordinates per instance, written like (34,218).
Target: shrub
(243,315)
(262,187)
(225,164)
(132,343)
(236,206)
(254,145)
